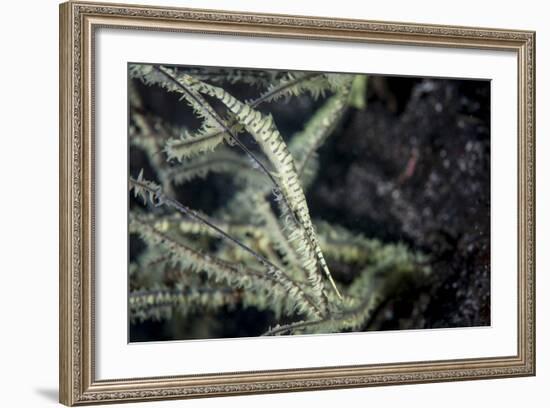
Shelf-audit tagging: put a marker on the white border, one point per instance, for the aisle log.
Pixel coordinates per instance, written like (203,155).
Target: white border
(117,359)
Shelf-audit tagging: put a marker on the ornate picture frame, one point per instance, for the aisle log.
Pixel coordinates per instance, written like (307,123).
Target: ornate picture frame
(79,22)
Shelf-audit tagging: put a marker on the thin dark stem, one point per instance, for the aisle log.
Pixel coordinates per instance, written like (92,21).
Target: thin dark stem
(164,199)
(300,325)
(292,326)
(213,259)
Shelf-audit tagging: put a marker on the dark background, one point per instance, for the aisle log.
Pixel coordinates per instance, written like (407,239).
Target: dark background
(414,166)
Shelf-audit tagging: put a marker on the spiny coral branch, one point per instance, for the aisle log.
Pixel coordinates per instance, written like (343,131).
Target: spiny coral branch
(156,196)
(351,319)
(264,131)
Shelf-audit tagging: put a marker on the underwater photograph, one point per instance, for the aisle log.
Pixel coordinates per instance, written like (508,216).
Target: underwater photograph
(269,202)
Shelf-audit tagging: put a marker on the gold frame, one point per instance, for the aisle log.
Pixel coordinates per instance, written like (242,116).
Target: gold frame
(78,22)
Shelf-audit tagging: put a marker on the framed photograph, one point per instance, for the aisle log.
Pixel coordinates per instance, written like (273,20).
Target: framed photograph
(256,203)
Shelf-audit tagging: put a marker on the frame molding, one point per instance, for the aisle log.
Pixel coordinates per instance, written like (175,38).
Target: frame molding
(78,21)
